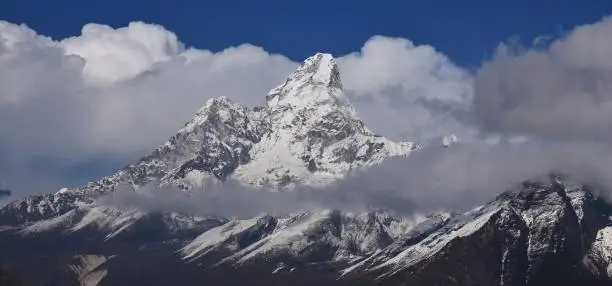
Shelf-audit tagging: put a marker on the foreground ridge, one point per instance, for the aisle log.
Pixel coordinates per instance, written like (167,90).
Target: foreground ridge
(549,231)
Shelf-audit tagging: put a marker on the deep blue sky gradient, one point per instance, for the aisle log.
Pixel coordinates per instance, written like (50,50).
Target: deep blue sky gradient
(467,31)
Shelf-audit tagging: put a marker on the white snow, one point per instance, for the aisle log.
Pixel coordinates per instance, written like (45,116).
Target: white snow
(434,243)
(113,220)
(449,140)
(289,236)
(602,248)
(280,267)
(212,238)
(50,224)
(293,234)
(306,108)
(87,269)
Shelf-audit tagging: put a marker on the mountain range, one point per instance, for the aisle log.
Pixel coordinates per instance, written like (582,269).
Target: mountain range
(544,231)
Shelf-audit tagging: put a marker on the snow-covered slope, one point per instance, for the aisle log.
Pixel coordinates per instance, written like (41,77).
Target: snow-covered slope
(111,222)
(348,236)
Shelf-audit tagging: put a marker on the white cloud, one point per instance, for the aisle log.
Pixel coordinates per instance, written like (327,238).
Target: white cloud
(117,54)
(563,91)
(144,88)
(119,92)
(428,92)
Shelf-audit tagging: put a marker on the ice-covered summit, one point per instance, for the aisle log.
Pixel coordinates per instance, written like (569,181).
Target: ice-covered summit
(318,73)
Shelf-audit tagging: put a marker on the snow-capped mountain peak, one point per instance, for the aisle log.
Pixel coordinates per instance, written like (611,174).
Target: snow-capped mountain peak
(314,86)
(319,70)
(315,134)
(219,107)
(308,133)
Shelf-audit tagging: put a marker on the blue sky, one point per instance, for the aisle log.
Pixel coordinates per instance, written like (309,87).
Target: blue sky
(466,31)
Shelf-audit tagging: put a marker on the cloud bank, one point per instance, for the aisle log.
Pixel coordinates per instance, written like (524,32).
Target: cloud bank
(455,179)
(562,91)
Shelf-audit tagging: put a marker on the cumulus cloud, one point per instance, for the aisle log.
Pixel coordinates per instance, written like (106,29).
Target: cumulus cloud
(115,54)
(561,91)
(116,93)
(431,96)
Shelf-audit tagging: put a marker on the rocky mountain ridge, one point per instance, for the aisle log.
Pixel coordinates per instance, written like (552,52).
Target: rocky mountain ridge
(542,232)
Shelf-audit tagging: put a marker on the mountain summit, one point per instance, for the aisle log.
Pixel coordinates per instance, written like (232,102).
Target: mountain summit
(308,133)
(315,135)
(318,72)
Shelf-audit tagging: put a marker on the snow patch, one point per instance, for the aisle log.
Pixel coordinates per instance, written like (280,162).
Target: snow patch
(51,224)
(212,238)
(449,140)
(87,269)
(289,236)
(602,248)
(113,220)
(464,226)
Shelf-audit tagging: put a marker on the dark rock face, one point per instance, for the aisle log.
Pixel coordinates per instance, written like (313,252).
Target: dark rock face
(9,279)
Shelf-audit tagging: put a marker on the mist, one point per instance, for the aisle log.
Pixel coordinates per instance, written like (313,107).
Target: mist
(560,92)
(434,178)
(233,199)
